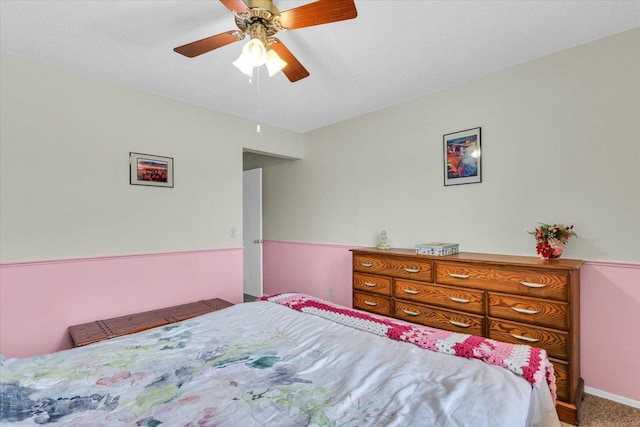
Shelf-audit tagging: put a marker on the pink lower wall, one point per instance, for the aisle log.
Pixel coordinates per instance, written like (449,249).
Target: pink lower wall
(308,268)
(40,300)
(610,305)
(610,327)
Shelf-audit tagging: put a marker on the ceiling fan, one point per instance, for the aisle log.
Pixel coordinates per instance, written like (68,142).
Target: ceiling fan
(261,20)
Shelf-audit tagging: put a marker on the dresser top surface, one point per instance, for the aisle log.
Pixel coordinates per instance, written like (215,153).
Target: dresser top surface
(524,261)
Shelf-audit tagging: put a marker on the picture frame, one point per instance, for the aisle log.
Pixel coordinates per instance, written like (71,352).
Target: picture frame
(462,157)
(150,170)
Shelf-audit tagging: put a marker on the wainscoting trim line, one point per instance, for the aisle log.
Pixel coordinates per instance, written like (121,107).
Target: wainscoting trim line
(113,257)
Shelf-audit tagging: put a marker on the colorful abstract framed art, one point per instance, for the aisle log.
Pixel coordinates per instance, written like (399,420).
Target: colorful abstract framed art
(462,157)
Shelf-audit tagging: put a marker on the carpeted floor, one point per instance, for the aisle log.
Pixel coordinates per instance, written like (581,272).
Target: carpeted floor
(599,412)
(249,298)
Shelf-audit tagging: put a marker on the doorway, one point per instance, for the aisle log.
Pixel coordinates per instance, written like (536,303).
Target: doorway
(253,282)
(252,233)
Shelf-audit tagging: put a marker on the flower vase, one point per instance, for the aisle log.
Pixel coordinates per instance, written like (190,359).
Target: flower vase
(552,249)
(551,239)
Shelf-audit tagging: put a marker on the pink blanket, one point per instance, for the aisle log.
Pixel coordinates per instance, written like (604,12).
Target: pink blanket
(529,362)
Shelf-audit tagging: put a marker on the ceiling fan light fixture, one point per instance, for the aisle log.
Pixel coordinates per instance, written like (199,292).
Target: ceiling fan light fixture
(256,49)
(274,63)
(255,52)
(243,63)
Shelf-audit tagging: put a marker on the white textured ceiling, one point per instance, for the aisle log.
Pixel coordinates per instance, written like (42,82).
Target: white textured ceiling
(392,52)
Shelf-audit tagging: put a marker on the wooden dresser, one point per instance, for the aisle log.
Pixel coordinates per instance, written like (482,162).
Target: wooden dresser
(521,300)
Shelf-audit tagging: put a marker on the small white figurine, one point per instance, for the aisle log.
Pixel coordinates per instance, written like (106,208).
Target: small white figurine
(383,242)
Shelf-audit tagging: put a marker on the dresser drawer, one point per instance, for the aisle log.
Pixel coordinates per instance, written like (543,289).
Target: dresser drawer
(554,342)
(369,283)
(444,296)
(561,370)
(522,281)
(408,268)
(552,314)
(439,318)
(372,302)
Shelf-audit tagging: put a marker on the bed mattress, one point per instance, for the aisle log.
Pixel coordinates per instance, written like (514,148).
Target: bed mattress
(263,364)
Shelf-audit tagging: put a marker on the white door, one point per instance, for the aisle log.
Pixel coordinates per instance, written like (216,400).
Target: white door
(252,231)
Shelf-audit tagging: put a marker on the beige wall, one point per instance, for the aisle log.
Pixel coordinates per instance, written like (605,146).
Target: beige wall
(64,183)
(560,143)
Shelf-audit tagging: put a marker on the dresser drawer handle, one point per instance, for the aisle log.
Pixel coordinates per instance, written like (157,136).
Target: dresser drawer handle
(410,313)
(458,276)
(371,303)
(412,270)
(460,300)
(371,285)
(366,264)
(460,324)
(533,285)
(411,291)
(525,311)
(527,339)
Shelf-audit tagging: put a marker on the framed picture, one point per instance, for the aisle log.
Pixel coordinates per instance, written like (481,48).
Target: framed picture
(462,157)
(154,171)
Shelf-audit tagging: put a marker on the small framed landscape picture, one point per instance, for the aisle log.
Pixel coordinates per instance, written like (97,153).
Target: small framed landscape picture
(154,171)
(462,157)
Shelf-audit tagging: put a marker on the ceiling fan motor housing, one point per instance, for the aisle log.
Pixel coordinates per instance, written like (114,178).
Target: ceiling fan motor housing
(262,12)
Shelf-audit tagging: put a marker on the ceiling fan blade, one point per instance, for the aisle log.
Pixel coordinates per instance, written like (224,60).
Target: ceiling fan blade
(317,13)
(208,44)
(294,70)
(237,6)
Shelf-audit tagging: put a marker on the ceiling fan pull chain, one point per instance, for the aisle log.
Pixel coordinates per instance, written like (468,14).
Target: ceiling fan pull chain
(258,100)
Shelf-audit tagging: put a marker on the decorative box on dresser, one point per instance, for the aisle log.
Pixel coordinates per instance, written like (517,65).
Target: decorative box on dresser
(517,299)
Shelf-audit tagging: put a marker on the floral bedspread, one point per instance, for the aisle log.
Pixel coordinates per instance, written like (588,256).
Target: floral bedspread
(529,362)
(262,364)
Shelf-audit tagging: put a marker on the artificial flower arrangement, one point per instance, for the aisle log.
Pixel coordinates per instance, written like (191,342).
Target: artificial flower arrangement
(551,239)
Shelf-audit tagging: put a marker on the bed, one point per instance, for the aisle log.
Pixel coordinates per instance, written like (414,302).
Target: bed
(286,360)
